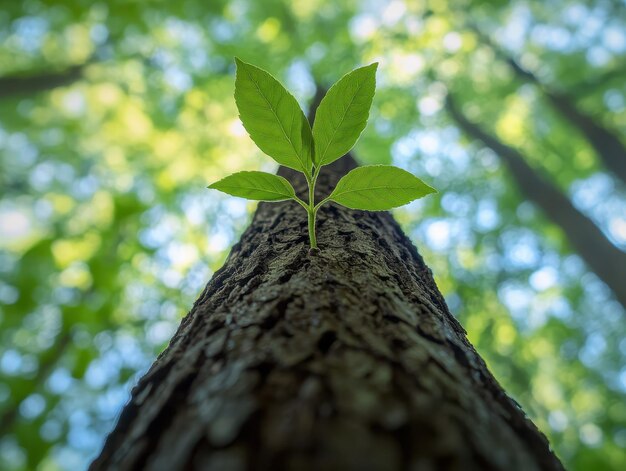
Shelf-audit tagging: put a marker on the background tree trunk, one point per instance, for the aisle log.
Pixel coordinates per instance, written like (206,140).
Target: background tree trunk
(348,359)
(605,259)
(606,142)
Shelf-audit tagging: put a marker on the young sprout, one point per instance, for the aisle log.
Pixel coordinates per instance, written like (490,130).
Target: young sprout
(277,125)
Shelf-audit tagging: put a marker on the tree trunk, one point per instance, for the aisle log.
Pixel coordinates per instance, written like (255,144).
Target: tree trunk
(345,360)
(606,260)
(605,142)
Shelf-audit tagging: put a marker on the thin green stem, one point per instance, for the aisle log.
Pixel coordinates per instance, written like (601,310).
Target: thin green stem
(312,238)
(318,205)
(311,209)
(301,203)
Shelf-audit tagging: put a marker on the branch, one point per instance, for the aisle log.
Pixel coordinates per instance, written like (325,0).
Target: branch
(13,85)
(606,142)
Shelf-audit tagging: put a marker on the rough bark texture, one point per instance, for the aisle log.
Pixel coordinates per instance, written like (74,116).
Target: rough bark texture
(604,258)
(345,360)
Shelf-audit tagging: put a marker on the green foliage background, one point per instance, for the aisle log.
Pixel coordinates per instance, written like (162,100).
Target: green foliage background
(107,231)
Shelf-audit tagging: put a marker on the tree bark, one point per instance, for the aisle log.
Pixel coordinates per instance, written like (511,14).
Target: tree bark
(605,142)
(344,360)
(606,260)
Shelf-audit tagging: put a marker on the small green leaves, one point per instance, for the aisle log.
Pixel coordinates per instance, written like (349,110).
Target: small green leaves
(342,114)
(273,118)
(256,186)
(378,188)
(278,126)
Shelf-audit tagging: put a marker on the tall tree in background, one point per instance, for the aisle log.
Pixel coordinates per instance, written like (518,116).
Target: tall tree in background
(606,260)
(605,142)
(349,359)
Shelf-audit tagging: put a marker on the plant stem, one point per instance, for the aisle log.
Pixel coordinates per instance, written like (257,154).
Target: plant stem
(312,237)
(301,203)
(325,200)
(312,210)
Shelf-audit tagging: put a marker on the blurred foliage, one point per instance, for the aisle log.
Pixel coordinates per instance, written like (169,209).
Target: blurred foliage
(107,233)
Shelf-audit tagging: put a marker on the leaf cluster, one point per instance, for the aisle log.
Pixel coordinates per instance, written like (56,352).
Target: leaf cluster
(278,126)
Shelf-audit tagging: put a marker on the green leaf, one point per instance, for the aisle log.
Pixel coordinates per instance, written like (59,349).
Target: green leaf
(378,187)
(342,114)
(256,186)
(273,118)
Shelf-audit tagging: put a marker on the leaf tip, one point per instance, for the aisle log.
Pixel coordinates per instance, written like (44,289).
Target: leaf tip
(214,185)
(240,64)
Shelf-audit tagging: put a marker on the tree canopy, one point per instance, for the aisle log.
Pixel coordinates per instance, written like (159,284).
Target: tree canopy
(115,116)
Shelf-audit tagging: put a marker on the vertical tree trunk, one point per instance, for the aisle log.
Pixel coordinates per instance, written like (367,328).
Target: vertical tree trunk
(344,360)
(606,260)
